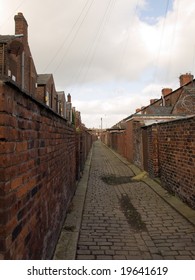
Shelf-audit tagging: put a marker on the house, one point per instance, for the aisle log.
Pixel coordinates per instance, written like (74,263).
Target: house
(16,63)
(69,108)
(127,137)
(46,91)
(38,160)
(17,66)
(178,102)
(61,99)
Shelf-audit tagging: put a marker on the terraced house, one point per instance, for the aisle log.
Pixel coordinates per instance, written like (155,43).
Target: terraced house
(160,138)
(40,156)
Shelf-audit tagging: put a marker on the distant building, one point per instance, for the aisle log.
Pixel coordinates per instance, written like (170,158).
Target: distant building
(61,103)
(17,66)
(178,102)
(46,91)
(69,108)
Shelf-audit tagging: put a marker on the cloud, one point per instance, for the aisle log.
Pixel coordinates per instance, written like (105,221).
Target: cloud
(106,53)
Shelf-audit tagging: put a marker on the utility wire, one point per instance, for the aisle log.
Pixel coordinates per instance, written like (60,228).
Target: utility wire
(75,35)
(13,13)
(126,43)
(99,35)
(161,40)
(172,41)
(68,36)
(90,53)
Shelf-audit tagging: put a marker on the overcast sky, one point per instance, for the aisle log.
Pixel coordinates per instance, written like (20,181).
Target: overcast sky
(112,56)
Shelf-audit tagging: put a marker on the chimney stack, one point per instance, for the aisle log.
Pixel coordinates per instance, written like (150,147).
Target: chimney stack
(21,26)
(166,91)
(185,79)
(153,101)
(69,97)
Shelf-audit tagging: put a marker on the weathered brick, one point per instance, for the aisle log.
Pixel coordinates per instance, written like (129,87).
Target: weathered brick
(17,182)
(7,147)
(38,175)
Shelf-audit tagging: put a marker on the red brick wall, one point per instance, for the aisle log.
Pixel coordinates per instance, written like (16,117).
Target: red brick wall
(165,150)
(84,142)
(137,144)
(40,93)
(171,156)
(129,141)
(177,157)
(121,143)
(37,175)
(152,151)
(118,142)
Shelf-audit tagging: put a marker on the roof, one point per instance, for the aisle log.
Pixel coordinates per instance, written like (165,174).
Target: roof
(6,38)
(190,90)
(120,125)
(161,110)
(61,95)
(42,79)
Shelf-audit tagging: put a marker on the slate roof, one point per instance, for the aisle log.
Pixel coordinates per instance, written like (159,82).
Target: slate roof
(6,38)
(161,110)
(61,95)
(42,79)
(190,90)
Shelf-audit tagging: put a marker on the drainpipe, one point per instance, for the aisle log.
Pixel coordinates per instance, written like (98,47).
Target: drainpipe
(163,100)
(3,62)
(22,70)
(30,61)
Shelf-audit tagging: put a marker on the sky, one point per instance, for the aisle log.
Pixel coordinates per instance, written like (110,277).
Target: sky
(112,56)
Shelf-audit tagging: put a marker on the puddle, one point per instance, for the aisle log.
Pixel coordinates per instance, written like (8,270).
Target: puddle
(69,228)
(133,217)
(116,180)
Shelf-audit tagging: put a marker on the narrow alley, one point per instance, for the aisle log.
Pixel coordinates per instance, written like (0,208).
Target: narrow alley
(125,219)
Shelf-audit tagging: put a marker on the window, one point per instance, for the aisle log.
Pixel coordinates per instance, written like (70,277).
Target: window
(47,98)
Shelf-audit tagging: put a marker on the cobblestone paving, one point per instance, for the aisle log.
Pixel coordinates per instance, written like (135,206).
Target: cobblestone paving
(107,231)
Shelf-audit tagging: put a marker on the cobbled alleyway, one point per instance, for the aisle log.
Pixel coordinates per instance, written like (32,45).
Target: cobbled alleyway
(128,220)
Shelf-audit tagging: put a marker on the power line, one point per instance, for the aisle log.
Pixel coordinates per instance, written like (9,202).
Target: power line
(161,40)
(90,53)
(124,48)
(74,37)
(99,34)
(173,40)
(68,35)
(13,13)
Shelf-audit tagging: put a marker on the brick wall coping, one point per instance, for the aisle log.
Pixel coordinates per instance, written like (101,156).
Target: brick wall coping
(178,119)
(8,81)
(143,116)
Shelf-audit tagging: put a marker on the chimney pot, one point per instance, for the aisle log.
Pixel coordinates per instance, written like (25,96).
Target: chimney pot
(69,97)
(185,79)
(153,101)
(21,25)
(166,91)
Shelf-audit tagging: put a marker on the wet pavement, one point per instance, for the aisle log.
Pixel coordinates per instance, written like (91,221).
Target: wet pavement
(124,219)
